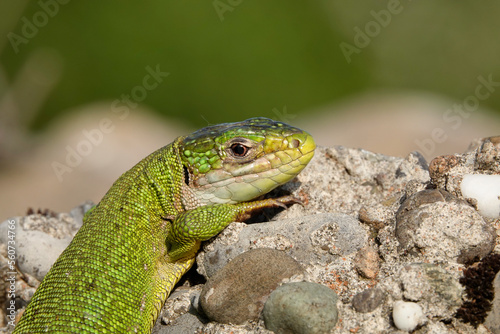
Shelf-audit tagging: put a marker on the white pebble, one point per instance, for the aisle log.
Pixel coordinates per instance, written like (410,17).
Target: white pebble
(485,189)
(407,315)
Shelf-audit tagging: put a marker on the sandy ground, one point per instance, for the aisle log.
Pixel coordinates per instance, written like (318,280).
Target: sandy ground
(51,175)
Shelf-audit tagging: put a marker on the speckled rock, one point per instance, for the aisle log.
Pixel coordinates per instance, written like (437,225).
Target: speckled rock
(376,216)
(368,300)
(41,237)
(39,241)
(238,291)
(318,238)
(217,328)
(493,319)
(367,261)
(186,323)
(436,290)
(181,301)
(446,171)
(353,178)
(488,155)
(439,225)
(435,327)
(284,311)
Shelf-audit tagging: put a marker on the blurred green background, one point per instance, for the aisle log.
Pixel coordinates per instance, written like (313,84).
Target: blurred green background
(260,55)
(231,59)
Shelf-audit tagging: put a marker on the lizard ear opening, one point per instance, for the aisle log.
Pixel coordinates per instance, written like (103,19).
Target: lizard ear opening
(186,176)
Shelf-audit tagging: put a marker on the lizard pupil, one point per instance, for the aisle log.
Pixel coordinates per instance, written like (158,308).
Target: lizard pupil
(239,150)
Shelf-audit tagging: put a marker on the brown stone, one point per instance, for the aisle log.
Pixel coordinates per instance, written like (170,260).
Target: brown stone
(441,165)
(367,261)
(238,291)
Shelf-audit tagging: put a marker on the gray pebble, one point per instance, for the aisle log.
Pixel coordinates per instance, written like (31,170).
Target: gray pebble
(301,308)
(368,300)
(237,292)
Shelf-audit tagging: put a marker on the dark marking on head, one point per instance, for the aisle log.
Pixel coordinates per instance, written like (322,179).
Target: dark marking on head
(186,176)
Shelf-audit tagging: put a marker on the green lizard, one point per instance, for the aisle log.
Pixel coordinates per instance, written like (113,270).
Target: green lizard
(143,236)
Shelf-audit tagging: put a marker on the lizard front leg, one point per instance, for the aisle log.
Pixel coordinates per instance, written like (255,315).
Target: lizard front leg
(191,227)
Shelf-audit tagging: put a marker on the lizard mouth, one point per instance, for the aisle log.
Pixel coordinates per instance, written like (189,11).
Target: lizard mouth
(237,183)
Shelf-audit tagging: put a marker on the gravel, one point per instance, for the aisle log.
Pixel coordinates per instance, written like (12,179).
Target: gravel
(375,231)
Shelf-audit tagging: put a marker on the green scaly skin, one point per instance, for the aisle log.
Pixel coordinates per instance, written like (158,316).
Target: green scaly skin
(143,236)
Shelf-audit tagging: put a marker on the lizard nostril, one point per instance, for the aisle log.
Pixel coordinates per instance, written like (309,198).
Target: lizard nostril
(295,143)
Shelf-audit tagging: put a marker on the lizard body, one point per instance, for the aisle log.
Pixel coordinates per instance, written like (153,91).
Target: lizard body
(144,234)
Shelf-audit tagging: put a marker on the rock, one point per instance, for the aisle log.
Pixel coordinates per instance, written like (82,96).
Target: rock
(376,216)
(238,291)
(447,171)
(342,235)
(479,283)
(407,315)
(437,291)
(443,167)
(310,239)
(435,327)
(216,328)
(301,308)
(181,301)
(485,190)
(367,261)
(368,300)
(80,211)
(488,155)
(186,323)
(41,237)
(493,319)
(413,187)
(39,241)
(351,179)
(441,226)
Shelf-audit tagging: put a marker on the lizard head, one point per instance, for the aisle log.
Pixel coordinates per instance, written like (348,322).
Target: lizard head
(236,162)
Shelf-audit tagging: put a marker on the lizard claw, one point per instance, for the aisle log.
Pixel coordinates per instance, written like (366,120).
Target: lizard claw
(281,202)
(288,200)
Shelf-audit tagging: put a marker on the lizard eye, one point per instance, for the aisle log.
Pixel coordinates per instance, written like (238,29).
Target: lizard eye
(239,150)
